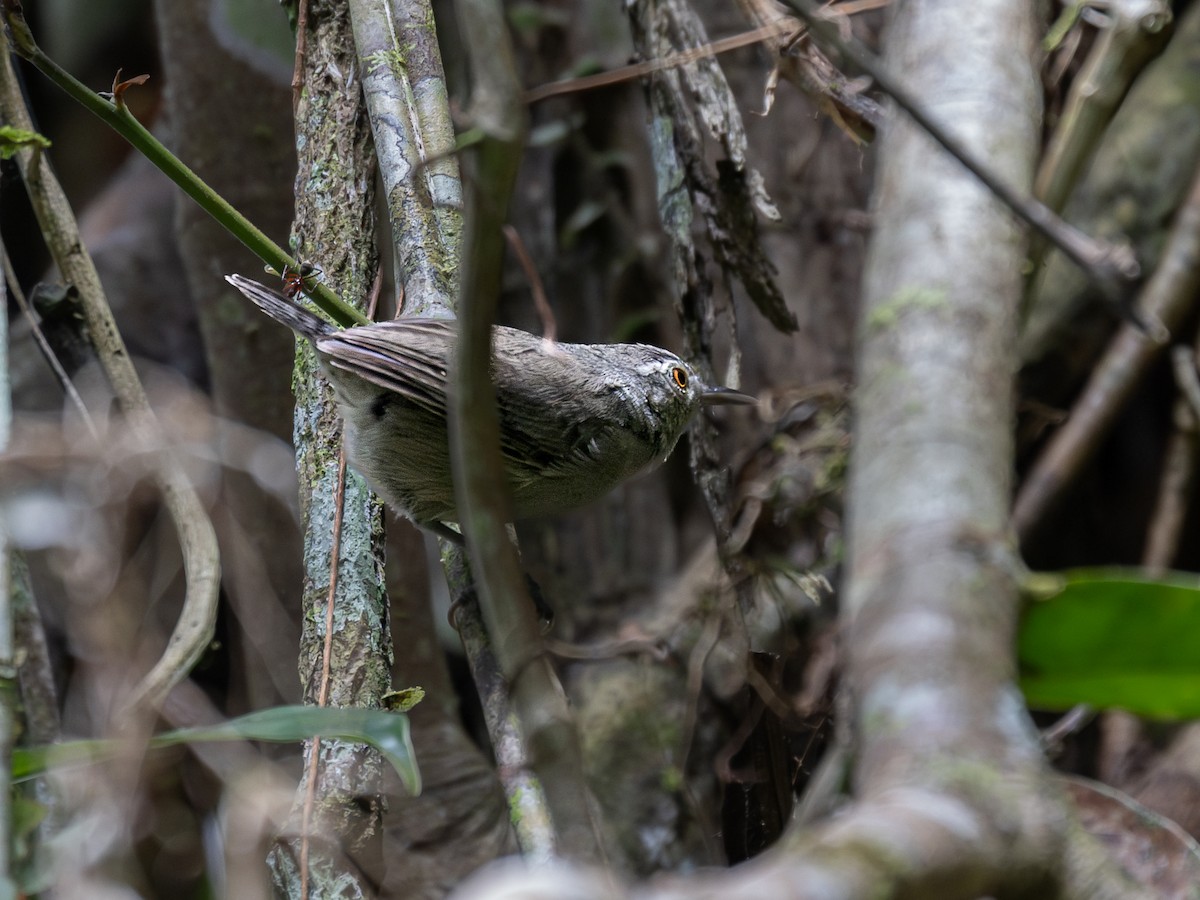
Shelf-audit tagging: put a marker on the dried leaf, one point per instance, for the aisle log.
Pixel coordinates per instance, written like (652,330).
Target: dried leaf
(120,87)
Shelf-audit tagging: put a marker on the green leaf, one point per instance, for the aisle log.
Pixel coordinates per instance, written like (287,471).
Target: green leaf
(530,18)
(13,139)
(1115,638)
(387,732)
(404,699)
(581,217)
(553,132)
(1062,25)
(469,138)
(27,814)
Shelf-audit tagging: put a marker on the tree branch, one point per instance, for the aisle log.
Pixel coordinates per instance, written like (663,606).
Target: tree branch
(406,96)
(539,702)
(335,227)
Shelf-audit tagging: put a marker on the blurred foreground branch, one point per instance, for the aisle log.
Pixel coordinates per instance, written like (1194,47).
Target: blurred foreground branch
(194,629)
(538,700)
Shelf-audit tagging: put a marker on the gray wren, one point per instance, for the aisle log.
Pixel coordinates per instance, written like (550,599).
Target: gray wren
(575,419)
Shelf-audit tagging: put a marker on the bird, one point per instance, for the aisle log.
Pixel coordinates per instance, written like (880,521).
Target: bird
(576,420)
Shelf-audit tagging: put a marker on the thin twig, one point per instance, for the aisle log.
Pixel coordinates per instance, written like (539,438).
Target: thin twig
(43,345)
(704,645)
(722,762)
(1070,722)
(301,48)
(705,642)
(536,288)
(326,655)
(524,793)
(1180,459)
(766,691)
(1183,365)
(656,648)
(1135,31)
(782,25)
(1176,486)
(538,699)
(376,290)
(674,60)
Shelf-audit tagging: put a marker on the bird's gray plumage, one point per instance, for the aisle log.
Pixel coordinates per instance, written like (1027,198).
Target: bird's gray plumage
(575,419)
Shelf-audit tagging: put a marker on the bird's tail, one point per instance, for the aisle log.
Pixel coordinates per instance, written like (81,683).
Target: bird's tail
(281,309)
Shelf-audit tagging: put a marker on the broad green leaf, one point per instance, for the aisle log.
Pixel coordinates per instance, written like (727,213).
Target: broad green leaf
(387,732)
(1115,638)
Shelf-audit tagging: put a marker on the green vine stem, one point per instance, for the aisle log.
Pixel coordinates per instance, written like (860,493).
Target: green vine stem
(111,110)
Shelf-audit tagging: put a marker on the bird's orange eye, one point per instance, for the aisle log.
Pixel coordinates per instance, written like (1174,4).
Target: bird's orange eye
(680,377)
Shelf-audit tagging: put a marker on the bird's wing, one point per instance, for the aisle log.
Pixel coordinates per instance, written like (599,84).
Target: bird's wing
(548,421)
(548,413)
(407,357)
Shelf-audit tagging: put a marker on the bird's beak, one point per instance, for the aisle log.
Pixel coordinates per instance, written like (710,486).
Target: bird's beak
(722,396)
